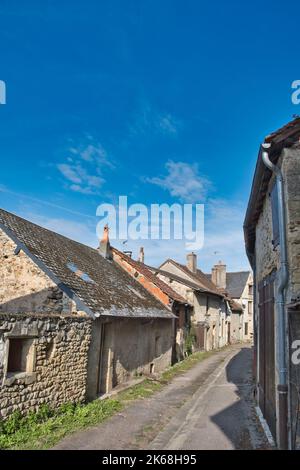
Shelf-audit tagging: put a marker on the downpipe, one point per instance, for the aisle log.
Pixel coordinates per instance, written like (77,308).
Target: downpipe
(281,346)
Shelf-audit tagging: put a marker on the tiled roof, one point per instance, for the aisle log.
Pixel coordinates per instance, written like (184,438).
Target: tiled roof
(193,285)
(205,284)
(106,290)
(200,279)
(145,271)
(235,282)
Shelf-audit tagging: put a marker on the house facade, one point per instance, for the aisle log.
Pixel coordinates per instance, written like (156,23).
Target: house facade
(272,235)
(73,324)
(171,299)
(239,286)
(211,310)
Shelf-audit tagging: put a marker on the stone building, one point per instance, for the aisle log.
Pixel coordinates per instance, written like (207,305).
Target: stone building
(239,286)
(272,236)
(171,299)
(73,324)
(211,308)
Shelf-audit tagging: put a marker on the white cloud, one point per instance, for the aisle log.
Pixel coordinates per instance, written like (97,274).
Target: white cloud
(148,121)
(223,240)
(183,181)
(168,124)
(69,172)
(84,168)
(223,237)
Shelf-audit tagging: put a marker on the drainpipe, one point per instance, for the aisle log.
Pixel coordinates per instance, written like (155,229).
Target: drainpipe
(281,357)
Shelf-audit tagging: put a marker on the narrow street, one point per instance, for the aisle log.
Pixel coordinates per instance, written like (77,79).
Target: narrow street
(208,407)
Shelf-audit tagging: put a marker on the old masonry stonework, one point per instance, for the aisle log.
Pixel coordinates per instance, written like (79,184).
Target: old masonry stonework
(57,368)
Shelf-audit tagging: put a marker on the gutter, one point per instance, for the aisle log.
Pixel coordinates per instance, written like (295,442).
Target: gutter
(280,323)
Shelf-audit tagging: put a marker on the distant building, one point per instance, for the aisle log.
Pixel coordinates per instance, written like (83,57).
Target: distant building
(239,286)
(181,308)
(272,236)
(211,308)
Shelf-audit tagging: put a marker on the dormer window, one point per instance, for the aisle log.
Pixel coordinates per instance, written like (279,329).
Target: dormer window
(82,275)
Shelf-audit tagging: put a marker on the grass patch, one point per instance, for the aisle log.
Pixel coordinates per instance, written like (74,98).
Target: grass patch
(186,364)
(43,429)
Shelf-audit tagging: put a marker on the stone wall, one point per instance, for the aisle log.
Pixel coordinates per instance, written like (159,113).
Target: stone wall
(244,300)
(216,311)
(26,288)
(58,372)
(236,327)
(129,347)
(267,259)
(291,170)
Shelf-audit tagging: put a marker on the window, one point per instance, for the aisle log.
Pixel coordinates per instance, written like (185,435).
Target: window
(250,289)
(250,308)
(20,355)
(82,275)
(246,329)
(275,220)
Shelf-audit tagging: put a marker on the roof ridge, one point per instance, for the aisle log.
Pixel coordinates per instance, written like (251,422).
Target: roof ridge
(211,286)
(47,229)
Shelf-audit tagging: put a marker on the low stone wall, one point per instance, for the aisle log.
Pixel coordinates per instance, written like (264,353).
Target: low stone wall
(58,361)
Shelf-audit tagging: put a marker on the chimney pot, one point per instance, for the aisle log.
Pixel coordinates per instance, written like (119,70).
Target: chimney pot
(191,262)
(104,247)
(218,275)
(141,255)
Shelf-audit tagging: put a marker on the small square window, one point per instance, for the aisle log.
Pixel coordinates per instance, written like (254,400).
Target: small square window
(20,355)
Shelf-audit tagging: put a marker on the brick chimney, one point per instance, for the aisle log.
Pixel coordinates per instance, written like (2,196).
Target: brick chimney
(104,247)
(218,275)
(191,262)
(141,255)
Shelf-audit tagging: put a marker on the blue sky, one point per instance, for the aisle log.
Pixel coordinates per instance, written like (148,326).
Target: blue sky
(163,101)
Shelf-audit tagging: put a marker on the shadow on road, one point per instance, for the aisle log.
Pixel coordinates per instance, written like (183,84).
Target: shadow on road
(238,421)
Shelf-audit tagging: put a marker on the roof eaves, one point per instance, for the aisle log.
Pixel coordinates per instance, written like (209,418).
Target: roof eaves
(283,138)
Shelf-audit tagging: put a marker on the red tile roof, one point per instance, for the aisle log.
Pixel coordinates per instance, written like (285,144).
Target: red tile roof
(145,271)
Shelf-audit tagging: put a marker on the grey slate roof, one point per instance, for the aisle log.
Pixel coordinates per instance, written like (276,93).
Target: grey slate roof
(235,283)
(112,291)
(200,279)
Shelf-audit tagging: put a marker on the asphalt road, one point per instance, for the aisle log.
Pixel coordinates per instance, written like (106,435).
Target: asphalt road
(209,407)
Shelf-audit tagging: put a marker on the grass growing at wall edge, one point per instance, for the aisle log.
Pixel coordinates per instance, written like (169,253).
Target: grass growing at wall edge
(43,429)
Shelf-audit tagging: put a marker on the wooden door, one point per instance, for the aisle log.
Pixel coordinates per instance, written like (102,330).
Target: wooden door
(267,395)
